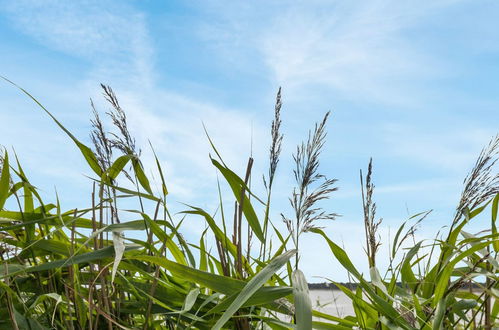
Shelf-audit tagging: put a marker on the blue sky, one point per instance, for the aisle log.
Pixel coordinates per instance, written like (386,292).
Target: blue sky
(412,84)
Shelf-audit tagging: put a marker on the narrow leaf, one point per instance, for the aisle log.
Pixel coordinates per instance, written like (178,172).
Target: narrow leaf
(4,181)
(253,285)
(303,305)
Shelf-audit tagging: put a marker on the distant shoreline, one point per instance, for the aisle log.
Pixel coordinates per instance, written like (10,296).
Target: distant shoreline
(353,286)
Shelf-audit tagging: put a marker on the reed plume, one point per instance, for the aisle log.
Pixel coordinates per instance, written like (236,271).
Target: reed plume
(371,224)
(311,186)
(482,182)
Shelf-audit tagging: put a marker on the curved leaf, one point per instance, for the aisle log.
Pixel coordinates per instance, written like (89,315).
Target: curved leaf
(253,285)
(303,305)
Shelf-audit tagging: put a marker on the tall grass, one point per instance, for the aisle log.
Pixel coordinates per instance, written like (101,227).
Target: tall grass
(76,268)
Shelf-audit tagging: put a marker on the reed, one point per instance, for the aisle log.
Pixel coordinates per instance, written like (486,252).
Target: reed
(78,269)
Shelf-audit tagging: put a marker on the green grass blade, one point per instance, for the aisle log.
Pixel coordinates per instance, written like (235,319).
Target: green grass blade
(303,305)
(106,252)
(237,185)
(86,151)
(119,249)
(265,295)
(253,285)
(406,272)
(190,300)
(118,166)
(444,276)
(4,181)
(222,284)
(495,204)
(160,170)
(339,253)
(439,315)
(141,176)
(27,189)
(166,239)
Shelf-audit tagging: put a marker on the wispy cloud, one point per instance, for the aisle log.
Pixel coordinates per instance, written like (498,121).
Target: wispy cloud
(112,36)
(445,149)
(113,39)
(410,187)
(176,132)
(368,55)
(358,49)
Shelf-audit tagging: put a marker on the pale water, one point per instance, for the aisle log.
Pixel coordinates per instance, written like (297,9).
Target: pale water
(333,302)
(328,301)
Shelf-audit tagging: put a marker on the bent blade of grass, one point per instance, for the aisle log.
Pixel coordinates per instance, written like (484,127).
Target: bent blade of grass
(160,170)
(86,151)
(303,305)
(166,239)
(406,272)
(222,284)
(130,193)
(473,240)
(118,165)
(342,323)
(394,247)
(265,295)
(119,249)
(237,185)
(339,253)
(219,234)
(380,303)
(378,281)
(58,299)
(444,276)
(359,304)
(190,300)
(141,176)
(106,252)
(253,285)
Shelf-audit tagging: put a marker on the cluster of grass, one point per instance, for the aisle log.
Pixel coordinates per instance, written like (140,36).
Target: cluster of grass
(76,269)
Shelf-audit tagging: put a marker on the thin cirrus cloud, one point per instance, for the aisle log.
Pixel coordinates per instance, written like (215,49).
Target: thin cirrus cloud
(357,48)
(112,36)
(115,40)
(394,90)
(455,152)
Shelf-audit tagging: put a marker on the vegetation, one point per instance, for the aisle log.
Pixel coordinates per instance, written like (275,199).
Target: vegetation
(75,269)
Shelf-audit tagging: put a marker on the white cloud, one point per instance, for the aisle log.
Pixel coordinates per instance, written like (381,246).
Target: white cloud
(114,39)
(110,35)
(357,49)
(176,132)
(434,185)
(450,149)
